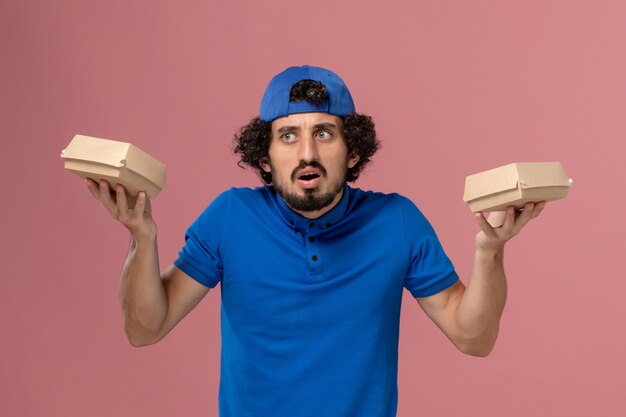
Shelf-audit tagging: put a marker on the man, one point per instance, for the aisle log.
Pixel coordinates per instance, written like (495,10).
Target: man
(312,271)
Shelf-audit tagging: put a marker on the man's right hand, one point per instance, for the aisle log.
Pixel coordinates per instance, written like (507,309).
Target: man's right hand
(135,213)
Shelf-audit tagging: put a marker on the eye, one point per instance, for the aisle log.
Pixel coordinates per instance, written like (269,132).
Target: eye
(324,134)
(288,137)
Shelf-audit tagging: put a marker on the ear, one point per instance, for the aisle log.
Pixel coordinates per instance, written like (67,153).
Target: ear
(353,160)
(265,164)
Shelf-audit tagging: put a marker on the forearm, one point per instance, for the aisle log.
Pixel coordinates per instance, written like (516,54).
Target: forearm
(481,307)
(142,295)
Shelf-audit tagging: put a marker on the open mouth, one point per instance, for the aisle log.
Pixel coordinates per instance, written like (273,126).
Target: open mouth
(309,176)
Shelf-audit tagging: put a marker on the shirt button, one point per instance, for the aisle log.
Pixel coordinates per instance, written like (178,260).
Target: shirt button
(314,257)
(311,224)
(311,239)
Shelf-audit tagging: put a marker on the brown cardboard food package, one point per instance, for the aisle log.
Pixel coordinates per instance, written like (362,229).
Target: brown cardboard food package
(115,162)
(516,184)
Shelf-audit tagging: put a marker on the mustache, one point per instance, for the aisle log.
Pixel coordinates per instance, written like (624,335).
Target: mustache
(304,164)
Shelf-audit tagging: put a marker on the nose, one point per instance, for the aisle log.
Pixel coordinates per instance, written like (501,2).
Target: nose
(308,149)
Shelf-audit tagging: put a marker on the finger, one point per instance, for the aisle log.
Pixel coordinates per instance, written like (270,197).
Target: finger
(147,205)
(509,219)
(538,209)
(524,217)
(484,225)
(107,200)
(93,188)
(140,205)
(122,202)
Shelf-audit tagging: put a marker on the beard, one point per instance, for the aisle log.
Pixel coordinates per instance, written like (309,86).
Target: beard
(312,200)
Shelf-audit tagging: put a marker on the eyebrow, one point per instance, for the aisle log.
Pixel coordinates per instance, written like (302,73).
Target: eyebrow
(325,126)
(286,129)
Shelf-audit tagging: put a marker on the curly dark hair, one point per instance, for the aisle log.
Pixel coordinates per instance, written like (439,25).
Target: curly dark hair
(309,90)
(252,141)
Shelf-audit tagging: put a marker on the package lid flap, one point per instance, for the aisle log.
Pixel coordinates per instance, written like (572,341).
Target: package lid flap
(96,150)
(490,182)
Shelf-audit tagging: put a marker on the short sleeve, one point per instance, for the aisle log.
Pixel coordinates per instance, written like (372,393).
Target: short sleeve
(200,257)
(430,270)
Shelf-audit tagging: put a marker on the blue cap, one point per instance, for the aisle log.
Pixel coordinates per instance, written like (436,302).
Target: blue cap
(275,102)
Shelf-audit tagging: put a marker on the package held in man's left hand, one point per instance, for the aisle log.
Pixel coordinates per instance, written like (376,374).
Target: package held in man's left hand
(515,185)
(115,162)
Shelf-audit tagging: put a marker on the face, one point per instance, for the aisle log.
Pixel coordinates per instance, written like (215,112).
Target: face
(308,159)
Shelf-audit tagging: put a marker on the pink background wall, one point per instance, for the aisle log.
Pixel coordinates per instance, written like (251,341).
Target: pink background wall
(455,88)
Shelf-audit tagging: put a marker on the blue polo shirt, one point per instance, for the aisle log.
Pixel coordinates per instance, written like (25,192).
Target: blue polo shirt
(310,308)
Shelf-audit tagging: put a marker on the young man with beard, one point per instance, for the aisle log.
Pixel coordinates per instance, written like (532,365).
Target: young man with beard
(312,271)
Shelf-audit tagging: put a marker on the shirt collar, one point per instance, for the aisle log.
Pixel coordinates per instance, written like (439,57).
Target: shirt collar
(299,222)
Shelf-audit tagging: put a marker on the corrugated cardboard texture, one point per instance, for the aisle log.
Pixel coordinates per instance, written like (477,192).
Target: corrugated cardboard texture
(516,184)
(115,162)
